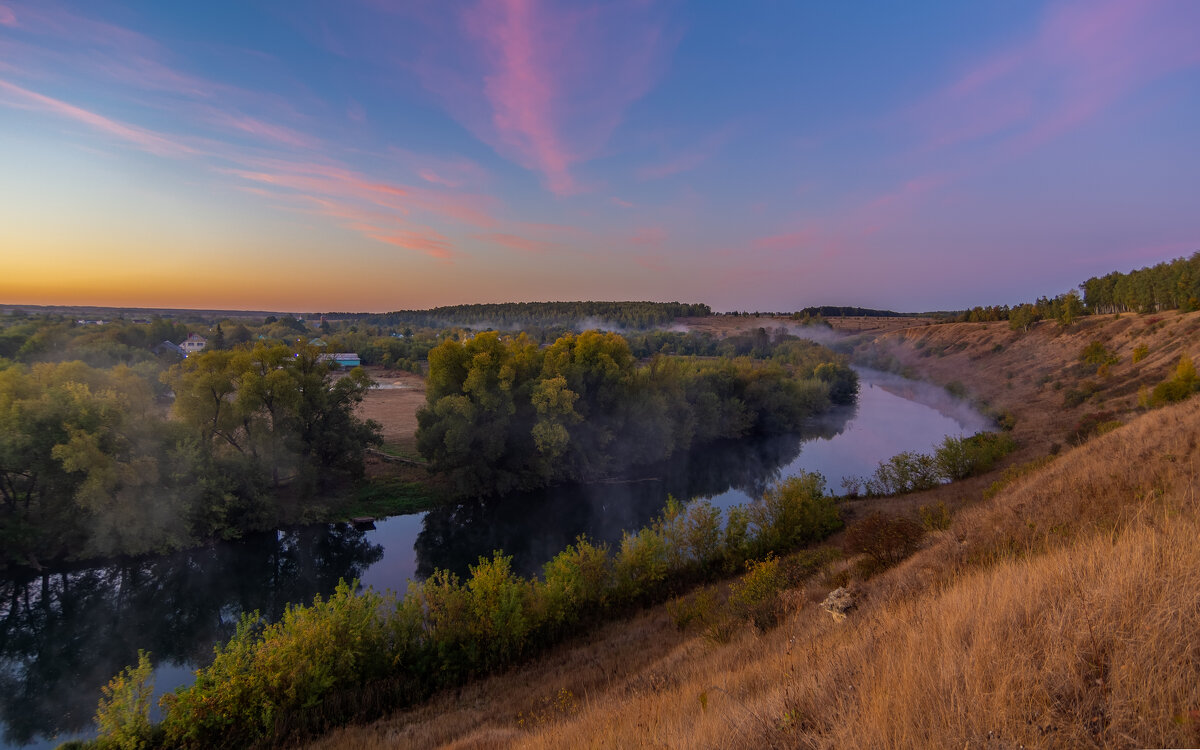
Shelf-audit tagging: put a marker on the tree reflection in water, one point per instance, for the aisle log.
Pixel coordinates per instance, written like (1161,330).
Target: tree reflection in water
(65,633)
(535,526)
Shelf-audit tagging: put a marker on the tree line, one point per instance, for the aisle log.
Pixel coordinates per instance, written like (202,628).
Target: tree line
(511,316)
(123,460)
(504,414)
(1171,285)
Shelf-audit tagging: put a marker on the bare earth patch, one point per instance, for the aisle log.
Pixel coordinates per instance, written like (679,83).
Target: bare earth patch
(394,404)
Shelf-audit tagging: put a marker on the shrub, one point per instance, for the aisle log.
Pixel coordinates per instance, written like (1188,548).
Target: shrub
(1092,424)
(956,389)
(959,458)
(575,584)
(1097,355)
(700,607)
(123,716)
(885,539)
(905,472)
(1183,384)
(934,517)
(792,513)
(641,564)
(1140,352)
(737,538)
(1076,396)
(499,610)
(755,597)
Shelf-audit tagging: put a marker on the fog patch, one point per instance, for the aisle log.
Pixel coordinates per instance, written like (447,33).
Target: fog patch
(929,394)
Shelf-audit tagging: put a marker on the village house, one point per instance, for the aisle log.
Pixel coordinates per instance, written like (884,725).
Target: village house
(344,360)
(193,343)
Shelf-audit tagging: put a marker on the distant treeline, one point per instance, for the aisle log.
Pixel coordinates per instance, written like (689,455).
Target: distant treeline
(505,414)
(508,316)
(94,463)
(830,311)
(1171,285)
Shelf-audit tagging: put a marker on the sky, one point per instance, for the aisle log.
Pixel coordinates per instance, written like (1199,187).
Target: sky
(374,155)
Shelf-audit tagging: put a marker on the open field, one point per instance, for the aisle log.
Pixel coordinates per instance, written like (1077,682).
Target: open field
(394,404)
(1061,612)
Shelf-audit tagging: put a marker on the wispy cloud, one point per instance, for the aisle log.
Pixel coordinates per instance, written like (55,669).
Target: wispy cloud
(142,138)
(7,17)
(550,82)
(1083,57)
(433,244)
(649,236)
(517,242)
(620,202)
(688,159)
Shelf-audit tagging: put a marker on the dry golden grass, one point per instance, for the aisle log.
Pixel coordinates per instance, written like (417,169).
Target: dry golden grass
(1063,612)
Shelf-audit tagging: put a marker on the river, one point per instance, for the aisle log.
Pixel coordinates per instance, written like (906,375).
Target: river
(64,633)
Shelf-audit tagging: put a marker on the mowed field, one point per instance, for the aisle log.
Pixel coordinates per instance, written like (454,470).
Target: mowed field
(393,403)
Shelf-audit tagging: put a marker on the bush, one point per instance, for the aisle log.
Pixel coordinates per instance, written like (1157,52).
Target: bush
(934,517)
(266,673)
(905,472)
(123,716)
(755,597)
(1183,384)
(700,607)
(641,564)
(793,513)
(959,458)
(1097,355)
(1140,352)
(1090,425)
(1076,396)
(575,583)
(885,539)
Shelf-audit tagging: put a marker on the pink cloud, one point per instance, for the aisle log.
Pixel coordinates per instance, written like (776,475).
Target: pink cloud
(620,202)
(260,129)
(7,17)
(433,245)
(1084,56)
(516,242)
(687,160)
(146,140)
(787,241)
(650,236)
(548,84)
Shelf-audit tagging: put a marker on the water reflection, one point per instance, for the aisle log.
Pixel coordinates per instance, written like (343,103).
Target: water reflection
(534,526)
(64,634)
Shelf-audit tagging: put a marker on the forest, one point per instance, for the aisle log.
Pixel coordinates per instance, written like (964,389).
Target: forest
(510,316)
(504,414)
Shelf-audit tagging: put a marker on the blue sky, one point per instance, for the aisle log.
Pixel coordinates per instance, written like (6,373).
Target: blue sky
(375,155)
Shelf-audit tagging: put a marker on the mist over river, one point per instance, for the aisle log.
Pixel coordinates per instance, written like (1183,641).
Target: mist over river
(65,632)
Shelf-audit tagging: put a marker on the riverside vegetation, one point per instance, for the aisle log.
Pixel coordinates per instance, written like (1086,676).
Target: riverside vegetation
(360,652)
(505,414)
